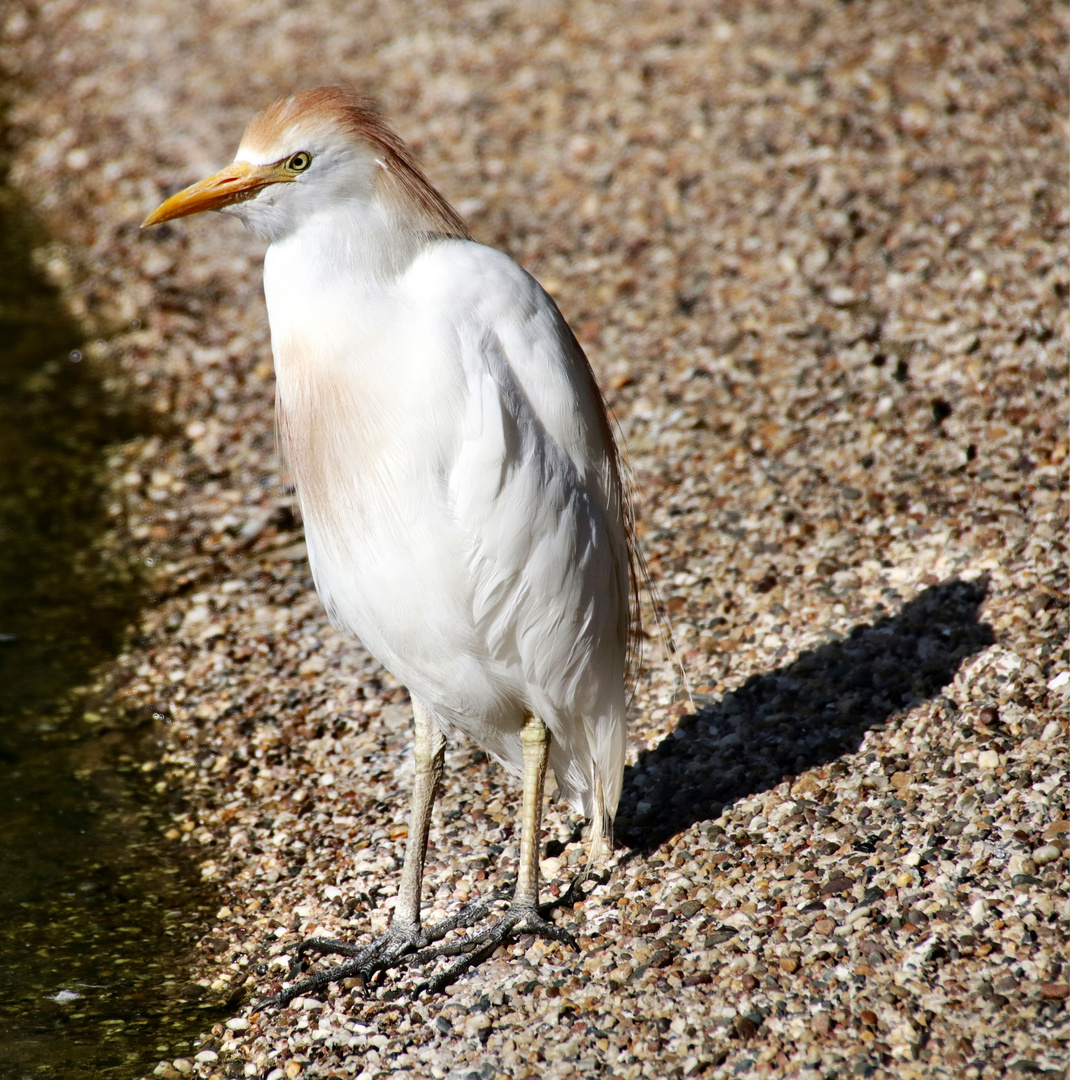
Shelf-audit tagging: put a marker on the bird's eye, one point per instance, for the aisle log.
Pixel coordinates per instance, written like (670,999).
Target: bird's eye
(300,161)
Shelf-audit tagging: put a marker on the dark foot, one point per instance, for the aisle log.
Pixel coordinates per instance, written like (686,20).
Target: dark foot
(473,949)
(367,960)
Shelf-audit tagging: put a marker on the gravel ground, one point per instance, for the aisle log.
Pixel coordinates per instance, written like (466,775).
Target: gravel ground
(817,254)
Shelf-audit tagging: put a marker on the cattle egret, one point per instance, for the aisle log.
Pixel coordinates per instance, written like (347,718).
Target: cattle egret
(458,480)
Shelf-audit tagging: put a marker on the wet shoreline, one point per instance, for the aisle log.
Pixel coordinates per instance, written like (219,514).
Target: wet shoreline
(98,909)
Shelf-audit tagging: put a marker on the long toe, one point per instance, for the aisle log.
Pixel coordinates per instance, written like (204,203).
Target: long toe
(316,982)
(473,949)
(365,960)
(328,946)
(529,921)
(369,960)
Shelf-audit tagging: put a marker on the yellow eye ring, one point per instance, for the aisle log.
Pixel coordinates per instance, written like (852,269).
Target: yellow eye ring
(300,161)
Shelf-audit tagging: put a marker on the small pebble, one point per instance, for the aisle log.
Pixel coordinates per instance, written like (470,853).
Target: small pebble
(1046,854)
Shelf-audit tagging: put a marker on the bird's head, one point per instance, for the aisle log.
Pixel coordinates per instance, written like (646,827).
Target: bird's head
(313,151)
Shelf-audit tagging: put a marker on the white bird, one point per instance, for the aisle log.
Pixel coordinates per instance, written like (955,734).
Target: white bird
(458,479)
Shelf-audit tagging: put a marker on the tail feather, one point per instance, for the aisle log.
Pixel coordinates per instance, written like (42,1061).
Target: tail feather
(601,828)
(589,766)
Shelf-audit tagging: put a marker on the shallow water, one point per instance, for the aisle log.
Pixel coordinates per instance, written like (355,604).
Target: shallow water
(97,909)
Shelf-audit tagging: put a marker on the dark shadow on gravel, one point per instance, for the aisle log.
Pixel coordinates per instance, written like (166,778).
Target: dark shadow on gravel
(811,712)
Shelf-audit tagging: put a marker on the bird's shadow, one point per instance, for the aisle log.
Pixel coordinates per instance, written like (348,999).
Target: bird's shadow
(808,713)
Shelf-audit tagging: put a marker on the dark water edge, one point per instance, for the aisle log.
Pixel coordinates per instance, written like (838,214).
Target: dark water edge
(98,911)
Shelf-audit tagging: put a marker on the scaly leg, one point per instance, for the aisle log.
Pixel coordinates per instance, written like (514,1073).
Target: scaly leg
(523,915)
(406,934)
(430,754)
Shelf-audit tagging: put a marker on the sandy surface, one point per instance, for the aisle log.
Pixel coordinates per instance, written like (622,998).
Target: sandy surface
(817,254)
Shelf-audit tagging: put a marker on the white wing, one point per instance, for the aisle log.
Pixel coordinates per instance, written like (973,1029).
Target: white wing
(535,493)
(461,505)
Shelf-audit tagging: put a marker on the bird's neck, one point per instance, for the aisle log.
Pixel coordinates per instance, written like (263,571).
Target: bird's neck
(369,245)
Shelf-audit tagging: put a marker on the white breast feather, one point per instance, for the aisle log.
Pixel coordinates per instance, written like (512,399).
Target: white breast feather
(489,571)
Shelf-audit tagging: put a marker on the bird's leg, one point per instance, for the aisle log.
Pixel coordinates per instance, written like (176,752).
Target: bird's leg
(430,752)
(523,915)
(535,739)
(406,934)
(406,928)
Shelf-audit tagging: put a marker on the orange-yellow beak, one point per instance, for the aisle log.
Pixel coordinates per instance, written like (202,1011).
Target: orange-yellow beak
(236,183)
